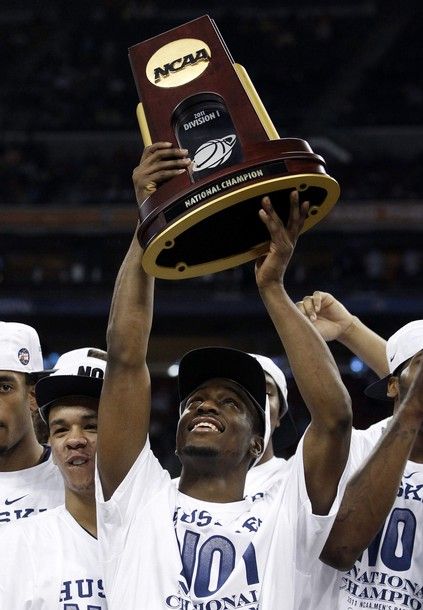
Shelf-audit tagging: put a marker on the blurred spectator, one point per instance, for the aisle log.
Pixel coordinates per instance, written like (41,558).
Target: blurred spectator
(35,174)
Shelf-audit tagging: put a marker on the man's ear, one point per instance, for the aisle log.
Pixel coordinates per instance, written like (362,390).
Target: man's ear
(32,401)
(280,415)
(256,446)
(393,387)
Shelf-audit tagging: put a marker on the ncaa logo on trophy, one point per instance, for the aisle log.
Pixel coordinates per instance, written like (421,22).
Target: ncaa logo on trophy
(205,220)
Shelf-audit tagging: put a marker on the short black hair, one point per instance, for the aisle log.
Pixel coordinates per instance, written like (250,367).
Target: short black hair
(66,401)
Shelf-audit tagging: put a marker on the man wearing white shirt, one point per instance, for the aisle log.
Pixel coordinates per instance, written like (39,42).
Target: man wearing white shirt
(203,545)
(270,467)
(51,561)
(29,481)
(377,541)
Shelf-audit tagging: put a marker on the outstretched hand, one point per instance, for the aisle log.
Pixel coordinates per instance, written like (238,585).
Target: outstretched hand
(272,266)
(159,163)
(328,315)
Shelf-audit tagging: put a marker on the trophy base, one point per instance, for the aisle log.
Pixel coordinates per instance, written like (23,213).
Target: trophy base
(216,226)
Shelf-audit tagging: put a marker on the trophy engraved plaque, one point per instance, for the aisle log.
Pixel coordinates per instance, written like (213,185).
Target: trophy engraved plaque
(206,220)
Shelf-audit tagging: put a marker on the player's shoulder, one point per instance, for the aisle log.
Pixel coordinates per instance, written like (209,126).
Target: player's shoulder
(264,476)
(363,441)
(374,431)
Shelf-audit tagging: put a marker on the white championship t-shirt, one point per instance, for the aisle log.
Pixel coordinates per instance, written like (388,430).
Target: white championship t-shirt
(25,493)
(162,549)
(389,574)
(50,562)
(265,475)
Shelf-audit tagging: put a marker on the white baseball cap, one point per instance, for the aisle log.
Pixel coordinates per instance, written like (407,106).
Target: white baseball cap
(403,345)
(79,372)
(287,428)
(274,371)
(20,348)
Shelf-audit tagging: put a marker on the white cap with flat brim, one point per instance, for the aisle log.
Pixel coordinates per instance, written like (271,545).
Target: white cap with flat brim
(20,349)
(287,430)
(400,347)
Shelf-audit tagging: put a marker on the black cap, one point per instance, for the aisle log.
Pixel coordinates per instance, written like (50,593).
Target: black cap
(50,389)
(378,389)
(200,365)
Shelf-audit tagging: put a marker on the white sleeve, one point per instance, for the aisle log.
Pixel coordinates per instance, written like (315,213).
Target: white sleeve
(144,480)
(362,444)
(311,530)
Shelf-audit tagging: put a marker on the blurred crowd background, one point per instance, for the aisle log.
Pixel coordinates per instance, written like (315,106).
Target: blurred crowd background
(344,75)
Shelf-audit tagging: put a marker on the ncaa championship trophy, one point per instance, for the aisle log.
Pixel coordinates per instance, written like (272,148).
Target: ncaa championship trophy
(206,219)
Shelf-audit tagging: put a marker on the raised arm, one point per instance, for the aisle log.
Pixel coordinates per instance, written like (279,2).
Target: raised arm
(124,412)
(371,492)
(326,443)
(334,321)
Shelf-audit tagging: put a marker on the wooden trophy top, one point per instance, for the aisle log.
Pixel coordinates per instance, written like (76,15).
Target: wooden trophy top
(185,61)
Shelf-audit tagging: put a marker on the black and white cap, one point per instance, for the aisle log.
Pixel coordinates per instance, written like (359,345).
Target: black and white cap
(403,345)
(79,372)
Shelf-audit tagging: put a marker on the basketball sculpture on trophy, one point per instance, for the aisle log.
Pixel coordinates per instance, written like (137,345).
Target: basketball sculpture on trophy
(206,220)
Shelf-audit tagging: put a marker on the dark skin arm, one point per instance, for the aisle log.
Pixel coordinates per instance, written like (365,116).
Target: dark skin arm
(124,411)
(326,443)
(371,492)
(334,321)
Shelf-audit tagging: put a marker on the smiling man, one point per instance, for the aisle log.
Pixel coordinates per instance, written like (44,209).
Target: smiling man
(202,544)
(54,556)
(222,416)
